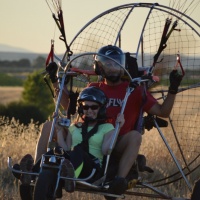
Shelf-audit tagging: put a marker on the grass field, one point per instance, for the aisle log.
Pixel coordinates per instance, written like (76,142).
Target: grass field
(16,140)
(10,94)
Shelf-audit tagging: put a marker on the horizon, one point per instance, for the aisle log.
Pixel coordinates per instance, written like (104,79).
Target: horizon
(26,34)
(16,56)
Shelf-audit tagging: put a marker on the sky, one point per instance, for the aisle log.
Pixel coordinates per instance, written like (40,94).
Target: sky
(28,24)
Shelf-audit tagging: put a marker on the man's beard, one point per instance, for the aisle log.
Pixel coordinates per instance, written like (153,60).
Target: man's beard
(113,79)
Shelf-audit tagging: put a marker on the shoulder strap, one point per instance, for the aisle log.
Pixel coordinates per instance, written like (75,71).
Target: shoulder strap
(87,135)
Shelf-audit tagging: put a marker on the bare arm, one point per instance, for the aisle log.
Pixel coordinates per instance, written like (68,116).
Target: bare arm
(106,142)
(108,136)
(65,97)
(64,138)
(165,108)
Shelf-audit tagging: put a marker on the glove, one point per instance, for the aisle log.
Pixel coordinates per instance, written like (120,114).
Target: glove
(175,80)
(51,69)
(73,102)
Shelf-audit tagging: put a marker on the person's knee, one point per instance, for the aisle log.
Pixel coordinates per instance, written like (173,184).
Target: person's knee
(46,129)
(132,139)
(47,125)
(135,137)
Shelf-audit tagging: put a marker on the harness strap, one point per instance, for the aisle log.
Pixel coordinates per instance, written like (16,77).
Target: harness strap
(87,135)
(139,125)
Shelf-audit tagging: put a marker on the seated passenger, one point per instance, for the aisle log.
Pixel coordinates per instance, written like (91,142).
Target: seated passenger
(85,141)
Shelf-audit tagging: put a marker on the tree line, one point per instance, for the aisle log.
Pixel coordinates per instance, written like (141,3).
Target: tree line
(39,62)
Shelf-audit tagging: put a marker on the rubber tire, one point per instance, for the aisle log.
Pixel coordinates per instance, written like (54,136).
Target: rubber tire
(26,192)
(196,191)
(45,185)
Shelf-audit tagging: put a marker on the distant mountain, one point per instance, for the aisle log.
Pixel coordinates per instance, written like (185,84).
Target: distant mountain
(11,56)
(11,53)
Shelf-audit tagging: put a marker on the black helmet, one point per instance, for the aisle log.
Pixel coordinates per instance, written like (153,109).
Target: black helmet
(96,95)
(108,68)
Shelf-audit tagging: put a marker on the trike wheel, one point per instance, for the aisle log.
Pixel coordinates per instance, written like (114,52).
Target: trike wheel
(196,191)
(45,185)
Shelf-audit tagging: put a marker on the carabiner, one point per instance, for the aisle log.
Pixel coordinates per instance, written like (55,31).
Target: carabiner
(178,62)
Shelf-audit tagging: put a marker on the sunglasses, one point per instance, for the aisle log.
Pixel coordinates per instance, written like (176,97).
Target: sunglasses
(93,107)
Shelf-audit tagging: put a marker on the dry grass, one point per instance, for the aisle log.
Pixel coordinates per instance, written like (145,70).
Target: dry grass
(17,140)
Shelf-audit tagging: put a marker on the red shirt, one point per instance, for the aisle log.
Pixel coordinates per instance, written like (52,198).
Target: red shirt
(116,96)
